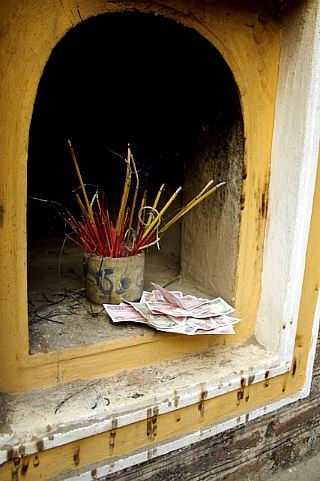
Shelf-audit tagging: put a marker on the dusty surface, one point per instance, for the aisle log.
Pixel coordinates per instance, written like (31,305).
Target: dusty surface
(83,408)
(60,317)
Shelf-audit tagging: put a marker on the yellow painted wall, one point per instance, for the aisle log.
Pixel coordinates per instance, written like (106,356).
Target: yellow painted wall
(30,30)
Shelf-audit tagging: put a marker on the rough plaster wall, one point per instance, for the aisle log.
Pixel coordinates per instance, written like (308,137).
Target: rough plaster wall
(253,451)
(210,232)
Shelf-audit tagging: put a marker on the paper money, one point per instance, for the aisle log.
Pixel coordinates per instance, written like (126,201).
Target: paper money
(171,311)
(189,306)
(217,307)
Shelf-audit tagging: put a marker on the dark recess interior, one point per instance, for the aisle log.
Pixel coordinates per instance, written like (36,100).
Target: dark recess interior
(143,79)
(116,79)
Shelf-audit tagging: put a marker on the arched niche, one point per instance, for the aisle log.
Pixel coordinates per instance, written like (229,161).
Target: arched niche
(252,54)
(153,82)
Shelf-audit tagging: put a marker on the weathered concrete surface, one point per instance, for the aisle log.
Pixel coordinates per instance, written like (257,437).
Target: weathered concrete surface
(308,470)
(82,408)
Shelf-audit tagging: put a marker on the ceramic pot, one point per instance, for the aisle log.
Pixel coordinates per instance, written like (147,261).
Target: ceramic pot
(110,280)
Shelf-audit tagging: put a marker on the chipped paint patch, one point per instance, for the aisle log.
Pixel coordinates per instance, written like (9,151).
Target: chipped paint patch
(182,442)
(1,216)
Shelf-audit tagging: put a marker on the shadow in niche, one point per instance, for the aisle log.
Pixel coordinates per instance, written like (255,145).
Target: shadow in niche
(150,81)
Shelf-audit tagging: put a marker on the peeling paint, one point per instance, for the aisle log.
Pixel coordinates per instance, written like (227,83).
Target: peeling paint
(11,453)
(76,456)
(240,395)
(112,434)
(175,399)
(264,203)
(152,422)
(1,215)
(40,445)
(24,467)
(294,366)
(22,450)
(15,470)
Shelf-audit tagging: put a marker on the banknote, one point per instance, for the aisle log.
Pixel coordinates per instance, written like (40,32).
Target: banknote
(123,313)
(155,296)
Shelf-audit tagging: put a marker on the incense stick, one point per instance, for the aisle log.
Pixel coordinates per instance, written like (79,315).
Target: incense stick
(135,196)
(82,207)
(190,206)
(155,204)
(181,212)
(73,155)
(142,205)
(125,193)
(144,199)
(159,216)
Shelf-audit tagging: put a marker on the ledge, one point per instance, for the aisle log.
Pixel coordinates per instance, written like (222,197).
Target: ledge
(44,419)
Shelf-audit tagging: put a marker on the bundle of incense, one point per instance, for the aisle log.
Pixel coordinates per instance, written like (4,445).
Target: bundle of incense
(100,238)
(97,234)
(140,215)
